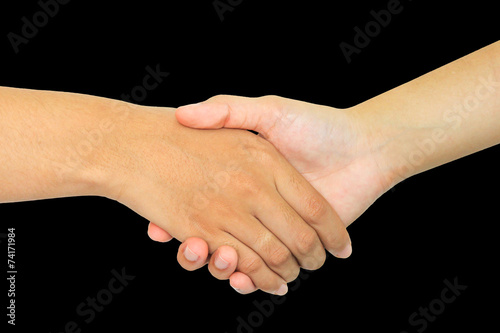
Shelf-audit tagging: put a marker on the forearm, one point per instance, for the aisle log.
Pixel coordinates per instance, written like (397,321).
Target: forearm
(54,144)
(446,114)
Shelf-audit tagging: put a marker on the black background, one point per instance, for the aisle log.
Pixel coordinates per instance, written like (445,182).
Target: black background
(435,226)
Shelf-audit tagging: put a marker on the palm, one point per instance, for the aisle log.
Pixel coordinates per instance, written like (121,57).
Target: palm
(322,144)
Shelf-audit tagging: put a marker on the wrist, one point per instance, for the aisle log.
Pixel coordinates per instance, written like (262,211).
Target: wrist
(387,141)
(401,146)
(127,153)
(103,147)
(77,143)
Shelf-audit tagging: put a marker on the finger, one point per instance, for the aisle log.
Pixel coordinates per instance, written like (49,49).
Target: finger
(252,265)
(248,261)
(223,262)
(192,254)
(242,283)
(291,229)
(314,209)
(158,234)
(257,114)
(270,248)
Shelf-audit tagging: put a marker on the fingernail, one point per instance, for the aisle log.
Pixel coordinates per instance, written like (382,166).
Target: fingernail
(190,255)
(345,253)
(237,290)
(282,290)
(220,263)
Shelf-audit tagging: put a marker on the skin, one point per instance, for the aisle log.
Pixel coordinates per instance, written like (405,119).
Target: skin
(228,187)
(353,156)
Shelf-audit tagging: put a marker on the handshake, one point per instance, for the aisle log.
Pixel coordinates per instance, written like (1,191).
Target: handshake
(255,207)
(271,203)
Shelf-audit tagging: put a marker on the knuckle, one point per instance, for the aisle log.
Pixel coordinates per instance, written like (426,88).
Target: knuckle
(197,225)
(218,98)
(315,262)
(307,242)
(201,227)
(279,257)
(263,152)
(250,265)
(248,186)
(272,100)
(316,208)
(255,149)
(269,98)
(265,155)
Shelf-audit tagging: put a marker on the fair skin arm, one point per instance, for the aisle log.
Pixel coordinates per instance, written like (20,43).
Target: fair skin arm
(228,187)
(355,155)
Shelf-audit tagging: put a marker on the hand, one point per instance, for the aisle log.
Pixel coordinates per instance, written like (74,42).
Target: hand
(230,188)
(335,150)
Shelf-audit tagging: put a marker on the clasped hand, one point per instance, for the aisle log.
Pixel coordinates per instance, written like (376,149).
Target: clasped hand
(325,145)
(234,189)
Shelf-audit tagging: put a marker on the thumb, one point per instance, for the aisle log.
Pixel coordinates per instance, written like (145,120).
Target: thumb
(256,114)
(158,234)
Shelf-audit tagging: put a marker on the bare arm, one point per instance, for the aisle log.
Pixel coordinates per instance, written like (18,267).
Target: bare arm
(229,187)
(50,142)
(352,156)
(446,114)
